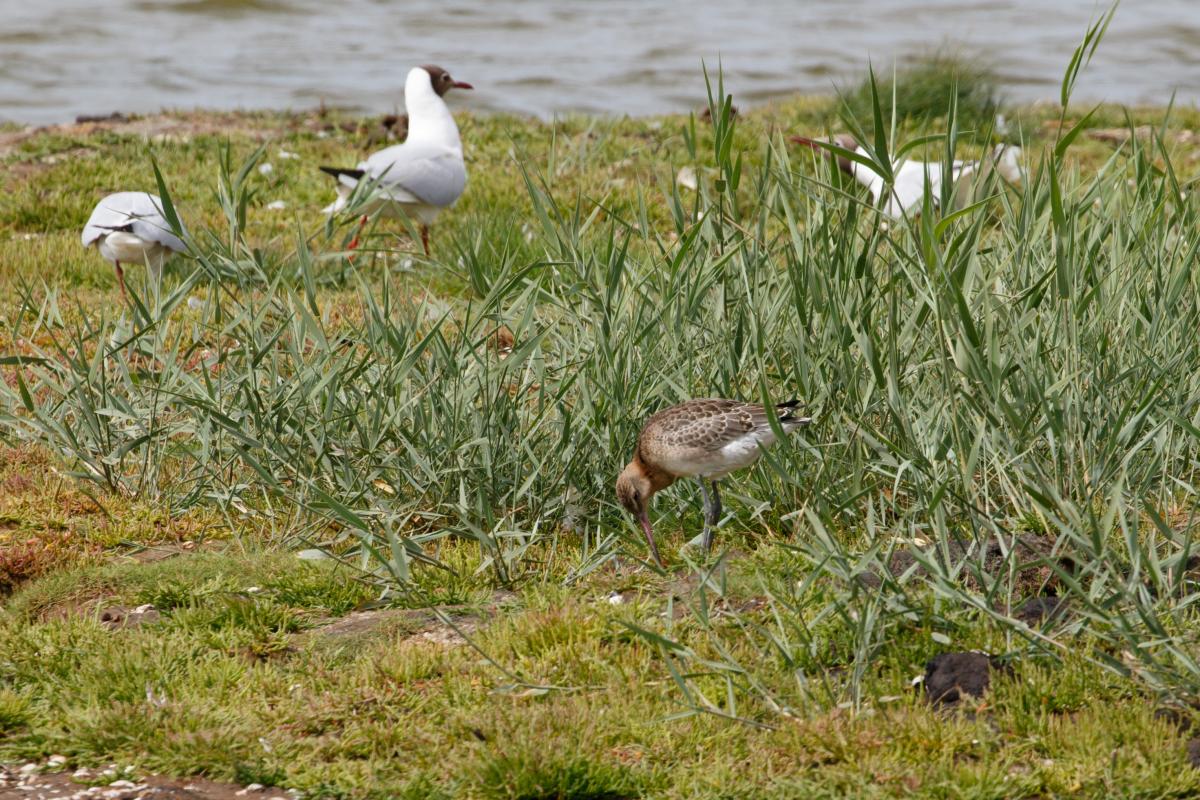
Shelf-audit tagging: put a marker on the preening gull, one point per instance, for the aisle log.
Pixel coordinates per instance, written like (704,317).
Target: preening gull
(908,192)
(130,228)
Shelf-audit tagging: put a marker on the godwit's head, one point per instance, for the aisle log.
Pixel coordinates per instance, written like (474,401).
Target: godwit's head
(634,490)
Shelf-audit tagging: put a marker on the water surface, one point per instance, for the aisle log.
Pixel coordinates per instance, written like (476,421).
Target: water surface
(60,58)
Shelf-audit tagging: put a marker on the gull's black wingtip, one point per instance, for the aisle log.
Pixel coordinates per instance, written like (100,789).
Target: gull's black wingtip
(338,172)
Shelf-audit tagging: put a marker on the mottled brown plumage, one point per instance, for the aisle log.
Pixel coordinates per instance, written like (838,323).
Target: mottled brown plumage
(704,439)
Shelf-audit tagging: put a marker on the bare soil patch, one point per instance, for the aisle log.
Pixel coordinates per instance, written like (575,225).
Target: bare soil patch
(35,781)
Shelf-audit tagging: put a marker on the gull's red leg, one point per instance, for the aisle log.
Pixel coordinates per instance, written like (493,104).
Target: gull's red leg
(362,223)
(121,279)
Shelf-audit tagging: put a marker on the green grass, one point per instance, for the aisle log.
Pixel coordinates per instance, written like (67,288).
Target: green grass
(390,712)
(433,431)
(921,91)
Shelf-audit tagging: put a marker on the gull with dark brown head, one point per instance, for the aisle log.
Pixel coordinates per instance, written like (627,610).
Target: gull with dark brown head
(423,175)
(701,439)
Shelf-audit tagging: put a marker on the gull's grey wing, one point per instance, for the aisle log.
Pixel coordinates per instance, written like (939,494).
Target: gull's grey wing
(139,213)
(411,173)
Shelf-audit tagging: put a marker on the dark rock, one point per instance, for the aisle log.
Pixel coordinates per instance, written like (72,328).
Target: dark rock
(391,128)
(706,113)
(115,116)
(1193,750)
(1035,556)
(869,580)
(1038,609)
(1175,716)
(951,676)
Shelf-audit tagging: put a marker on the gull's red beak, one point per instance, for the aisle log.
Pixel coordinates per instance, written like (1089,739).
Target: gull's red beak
(806,141)
(461,85)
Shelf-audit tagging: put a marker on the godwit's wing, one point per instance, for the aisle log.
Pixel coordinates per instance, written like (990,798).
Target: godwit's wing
(711,437)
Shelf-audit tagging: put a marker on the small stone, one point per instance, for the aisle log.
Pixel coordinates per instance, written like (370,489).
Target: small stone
(1033,611)
(122,784)
(286,155)
(195,303)
(687,178)
(276,205)
(29,769)
(56,760)
(615,599)
(265,169)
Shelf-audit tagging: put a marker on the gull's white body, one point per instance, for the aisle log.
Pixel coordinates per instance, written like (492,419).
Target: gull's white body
(423,175)
(908,192)
(130,228)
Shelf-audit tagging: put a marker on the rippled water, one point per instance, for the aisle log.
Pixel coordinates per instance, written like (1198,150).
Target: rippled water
(59,58)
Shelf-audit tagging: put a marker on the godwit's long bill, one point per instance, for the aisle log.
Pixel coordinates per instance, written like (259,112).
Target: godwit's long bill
(423,175)
(908,191)
(702,439)
(130,228)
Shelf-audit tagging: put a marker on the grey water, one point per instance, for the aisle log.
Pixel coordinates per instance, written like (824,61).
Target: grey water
(62,58)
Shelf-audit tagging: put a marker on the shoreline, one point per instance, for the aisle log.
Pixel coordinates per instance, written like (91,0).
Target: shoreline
(753,106)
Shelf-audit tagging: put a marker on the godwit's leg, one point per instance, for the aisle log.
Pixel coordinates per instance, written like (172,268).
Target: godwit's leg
(425,239)
(712,517)
(704,540)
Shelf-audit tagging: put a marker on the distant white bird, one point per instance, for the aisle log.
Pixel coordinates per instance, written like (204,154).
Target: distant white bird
(423,175)
(908,191)
(129,227)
